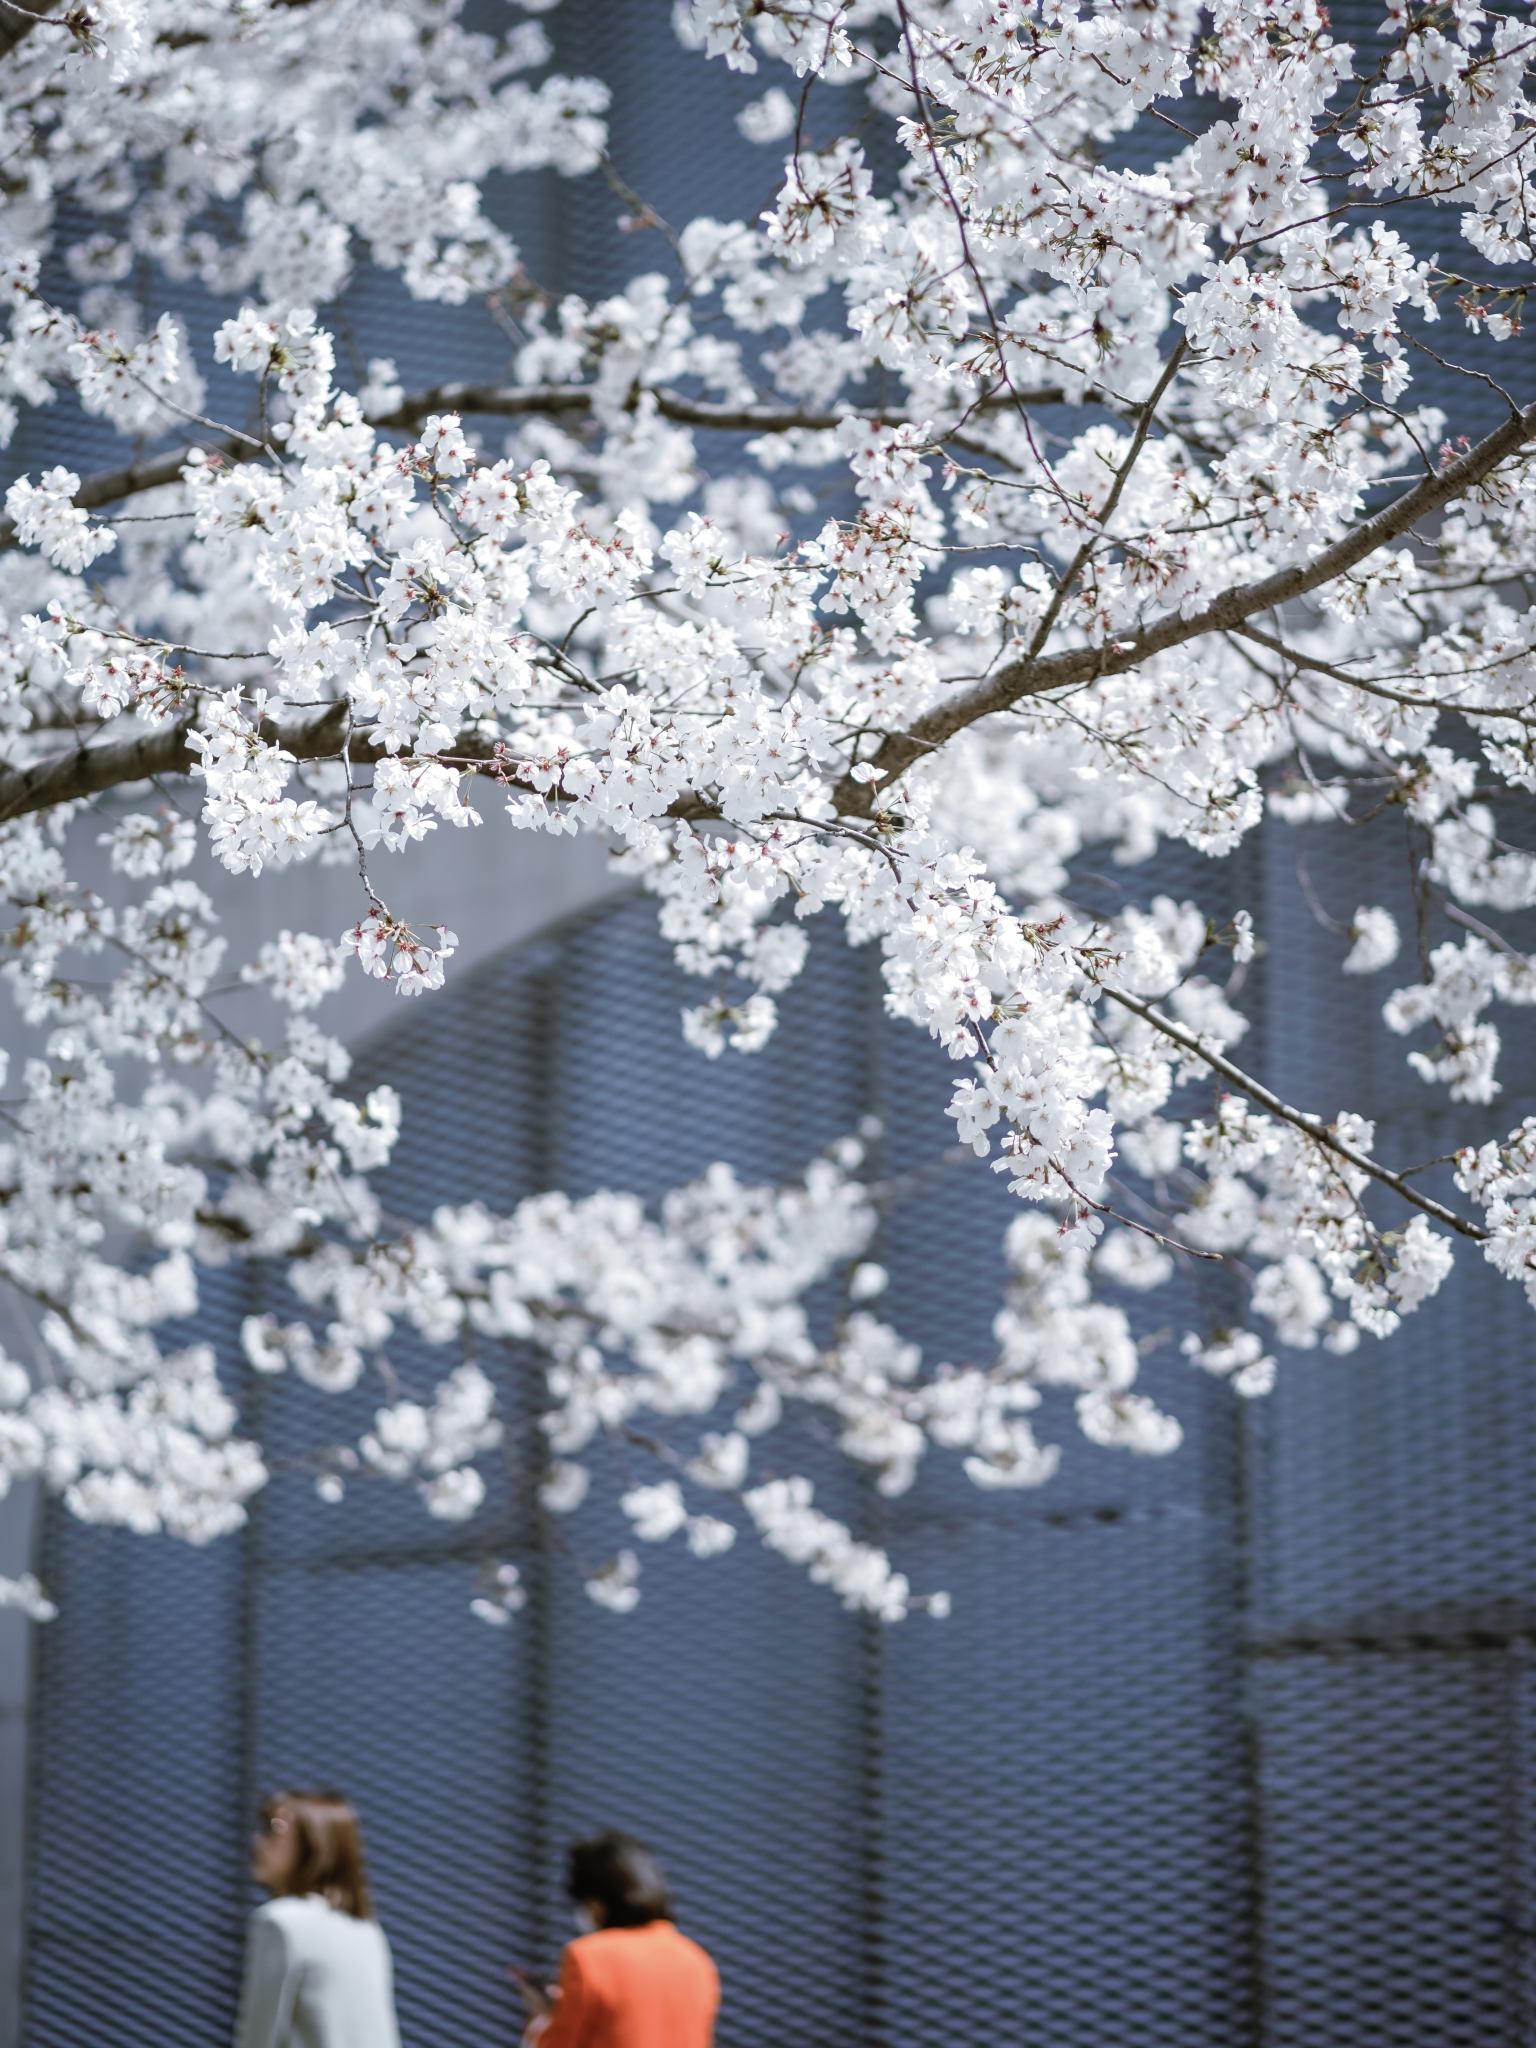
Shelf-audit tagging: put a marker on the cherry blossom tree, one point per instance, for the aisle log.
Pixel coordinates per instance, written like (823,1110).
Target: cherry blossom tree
(1137,531)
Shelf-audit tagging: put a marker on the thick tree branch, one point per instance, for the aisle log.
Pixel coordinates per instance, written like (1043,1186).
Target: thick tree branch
(66,778)
(1033,677)
(108,485)
(508,401)
(87,771)
(1313,1127)
(512,401)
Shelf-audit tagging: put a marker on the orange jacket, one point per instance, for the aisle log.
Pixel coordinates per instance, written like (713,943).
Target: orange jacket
(634,1987)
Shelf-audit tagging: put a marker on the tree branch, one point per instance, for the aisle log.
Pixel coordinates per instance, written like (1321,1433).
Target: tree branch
(108,485)
(1106,511)
(66,778)
(510,401)
(1032,677)
(18,18)
(1306,664)
(87,771)
(1312,1126)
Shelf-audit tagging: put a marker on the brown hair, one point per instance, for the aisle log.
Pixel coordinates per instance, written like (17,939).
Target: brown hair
(328,1849)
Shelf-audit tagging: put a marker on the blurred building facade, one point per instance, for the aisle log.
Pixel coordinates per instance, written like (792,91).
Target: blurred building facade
(1235,1747)
(1232,1747)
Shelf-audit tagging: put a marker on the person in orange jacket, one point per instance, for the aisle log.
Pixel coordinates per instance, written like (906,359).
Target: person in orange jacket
(630,1980)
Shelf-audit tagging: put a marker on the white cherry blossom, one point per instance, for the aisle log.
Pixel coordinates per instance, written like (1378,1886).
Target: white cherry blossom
(1066,510)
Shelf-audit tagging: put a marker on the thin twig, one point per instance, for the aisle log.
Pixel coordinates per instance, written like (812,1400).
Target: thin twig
(1312,1126)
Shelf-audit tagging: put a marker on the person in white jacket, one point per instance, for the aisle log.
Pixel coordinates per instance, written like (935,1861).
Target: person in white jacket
(318,1972)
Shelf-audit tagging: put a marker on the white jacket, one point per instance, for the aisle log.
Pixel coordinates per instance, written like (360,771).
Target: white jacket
(315,1978)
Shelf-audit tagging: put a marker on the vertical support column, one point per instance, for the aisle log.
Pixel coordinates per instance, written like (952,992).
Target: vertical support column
(1516,1844)
(248,1790)
(873,1786)
(242,1785)
(18,1542)
(875,1961)
(540,1704)
(1245,1431)
(1251,876)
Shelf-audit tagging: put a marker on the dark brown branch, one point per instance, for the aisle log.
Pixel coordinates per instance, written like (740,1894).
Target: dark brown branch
(65,778)
(505,401)
(87,771)
(509,401)
(1033,677)
(514,401)
(108,485)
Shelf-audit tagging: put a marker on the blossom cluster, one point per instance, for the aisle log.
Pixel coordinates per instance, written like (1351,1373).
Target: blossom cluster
(1070,510)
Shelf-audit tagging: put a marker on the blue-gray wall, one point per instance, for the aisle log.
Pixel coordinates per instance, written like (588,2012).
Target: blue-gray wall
(1231,1747)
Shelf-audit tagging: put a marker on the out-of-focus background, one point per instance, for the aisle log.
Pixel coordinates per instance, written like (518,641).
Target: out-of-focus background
(1232,1747)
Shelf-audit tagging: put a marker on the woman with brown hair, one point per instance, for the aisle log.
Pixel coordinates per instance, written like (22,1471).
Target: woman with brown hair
(631,1980)
(317,1967)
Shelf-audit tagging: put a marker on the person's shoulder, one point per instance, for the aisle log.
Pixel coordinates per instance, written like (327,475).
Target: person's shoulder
(283,1923)
(609,1940)
(609,1945)
(664,1935)
(700,1956)
(309,1919)
(587,1948)
(604,1948)
(288,1912)
(582,1959)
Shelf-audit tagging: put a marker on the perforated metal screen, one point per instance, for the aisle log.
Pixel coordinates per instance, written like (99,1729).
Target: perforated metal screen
(1231,1747)
(1234,1747)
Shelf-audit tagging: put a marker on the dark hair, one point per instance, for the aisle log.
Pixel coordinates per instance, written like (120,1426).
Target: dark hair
(616,1872)
(328,1849)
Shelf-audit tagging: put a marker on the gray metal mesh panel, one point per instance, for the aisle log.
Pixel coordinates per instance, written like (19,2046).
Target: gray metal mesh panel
(857,1818)
(1228,1747)
(1061,1800)
(1231,1747)
(365,1675)
(1393,1550)
(1392,1897)
(136,1810)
